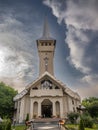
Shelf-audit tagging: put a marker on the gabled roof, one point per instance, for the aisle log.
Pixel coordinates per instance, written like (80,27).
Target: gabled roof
(64,87)
(20,95)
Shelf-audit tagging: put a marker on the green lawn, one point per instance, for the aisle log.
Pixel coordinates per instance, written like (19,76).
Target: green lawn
(76,127)
(20,127)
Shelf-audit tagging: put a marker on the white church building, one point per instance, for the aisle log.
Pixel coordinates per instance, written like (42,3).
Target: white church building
(45,97)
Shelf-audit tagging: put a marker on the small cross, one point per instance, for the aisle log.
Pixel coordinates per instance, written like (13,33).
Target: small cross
(46,63)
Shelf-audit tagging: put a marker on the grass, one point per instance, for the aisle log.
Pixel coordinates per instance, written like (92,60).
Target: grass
(70,126)
(95,127)
(20,127)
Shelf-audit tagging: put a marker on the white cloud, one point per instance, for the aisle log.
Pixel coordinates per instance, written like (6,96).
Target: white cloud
(82,15)
(17,63)
(89,91)
(91,79)
(77,43)
(81,19)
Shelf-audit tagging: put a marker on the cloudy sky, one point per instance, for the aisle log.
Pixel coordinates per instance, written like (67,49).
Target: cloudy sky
(73,23)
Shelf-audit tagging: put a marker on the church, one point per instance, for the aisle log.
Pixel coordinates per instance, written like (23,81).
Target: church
(46,96)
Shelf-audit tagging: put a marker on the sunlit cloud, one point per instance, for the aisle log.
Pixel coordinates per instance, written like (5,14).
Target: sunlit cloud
(17,51)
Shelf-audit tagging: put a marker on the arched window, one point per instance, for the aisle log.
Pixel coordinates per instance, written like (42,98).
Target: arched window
(35,109)
(73,102)
(57,104)
(57,87)
(50,44)
(35,88)
(45,44)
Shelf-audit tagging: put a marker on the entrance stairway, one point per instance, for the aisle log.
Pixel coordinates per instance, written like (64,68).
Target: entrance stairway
(46,124)
(47,120)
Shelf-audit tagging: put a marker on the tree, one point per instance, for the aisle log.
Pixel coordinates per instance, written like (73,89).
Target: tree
(88,101)
(93,109)
(91,105)
(81,125)
(6,100)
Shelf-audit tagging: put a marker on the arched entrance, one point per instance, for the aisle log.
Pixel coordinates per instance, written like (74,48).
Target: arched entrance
(46,108)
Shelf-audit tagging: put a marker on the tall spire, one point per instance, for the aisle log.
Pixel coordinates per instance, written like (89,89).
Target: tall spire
(46,47)
(46,29)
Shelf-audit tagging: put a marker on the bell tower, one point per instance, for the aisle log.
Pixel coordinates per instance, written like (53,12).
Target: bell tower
(46,46)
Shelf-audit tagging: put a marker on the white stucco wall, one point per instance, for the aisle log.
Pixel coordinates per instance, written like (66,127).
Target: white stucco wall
(46,92)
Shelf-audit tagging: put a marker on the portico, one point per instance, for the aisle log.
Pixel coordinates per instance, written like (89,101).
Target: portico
(45,108)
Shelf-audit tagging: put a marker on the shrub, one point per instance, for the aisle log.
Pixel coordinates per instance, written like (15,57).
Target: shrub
(73,116)
(0,126)
(95,120)
(88,121)
(81,125)
(27,117)
(8,126)
(5,125)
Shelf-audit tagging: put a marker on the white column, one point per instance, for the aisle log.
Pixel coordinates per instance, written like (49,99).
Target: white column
(61,108)
(54,113)
(39,108)
(31,108)
(22,107)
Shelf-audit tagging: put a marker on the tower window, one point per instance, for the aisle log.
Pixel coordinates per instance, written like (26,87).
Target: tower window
(73,109)
(45,44)
(35,88)
(73,102)
(42,44)
(49,44)
(50,87)
(57,87)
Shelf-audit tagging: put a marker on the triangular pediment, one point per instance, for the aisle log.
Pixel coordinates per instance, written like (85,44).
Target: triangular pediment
(47,80)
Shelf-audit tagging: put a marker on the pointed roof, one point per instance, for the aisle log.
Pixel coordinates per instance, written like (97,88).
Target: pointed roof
(63,86)
(46,33)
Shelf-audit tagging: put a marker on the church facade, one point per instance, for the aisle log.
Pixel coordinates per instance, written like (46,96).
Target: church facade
(45,97)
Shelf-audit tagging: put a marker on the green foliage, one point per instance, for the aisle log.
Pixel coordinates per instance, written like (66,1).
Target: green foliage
(20,127)
(91,105)
(95,120)
(81,125)
(88,101)
(0,126)
(8,126)
(6,100)
(73,117)
(5,125)
(87,120)
(71,127)
(93,109)
(27,117)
